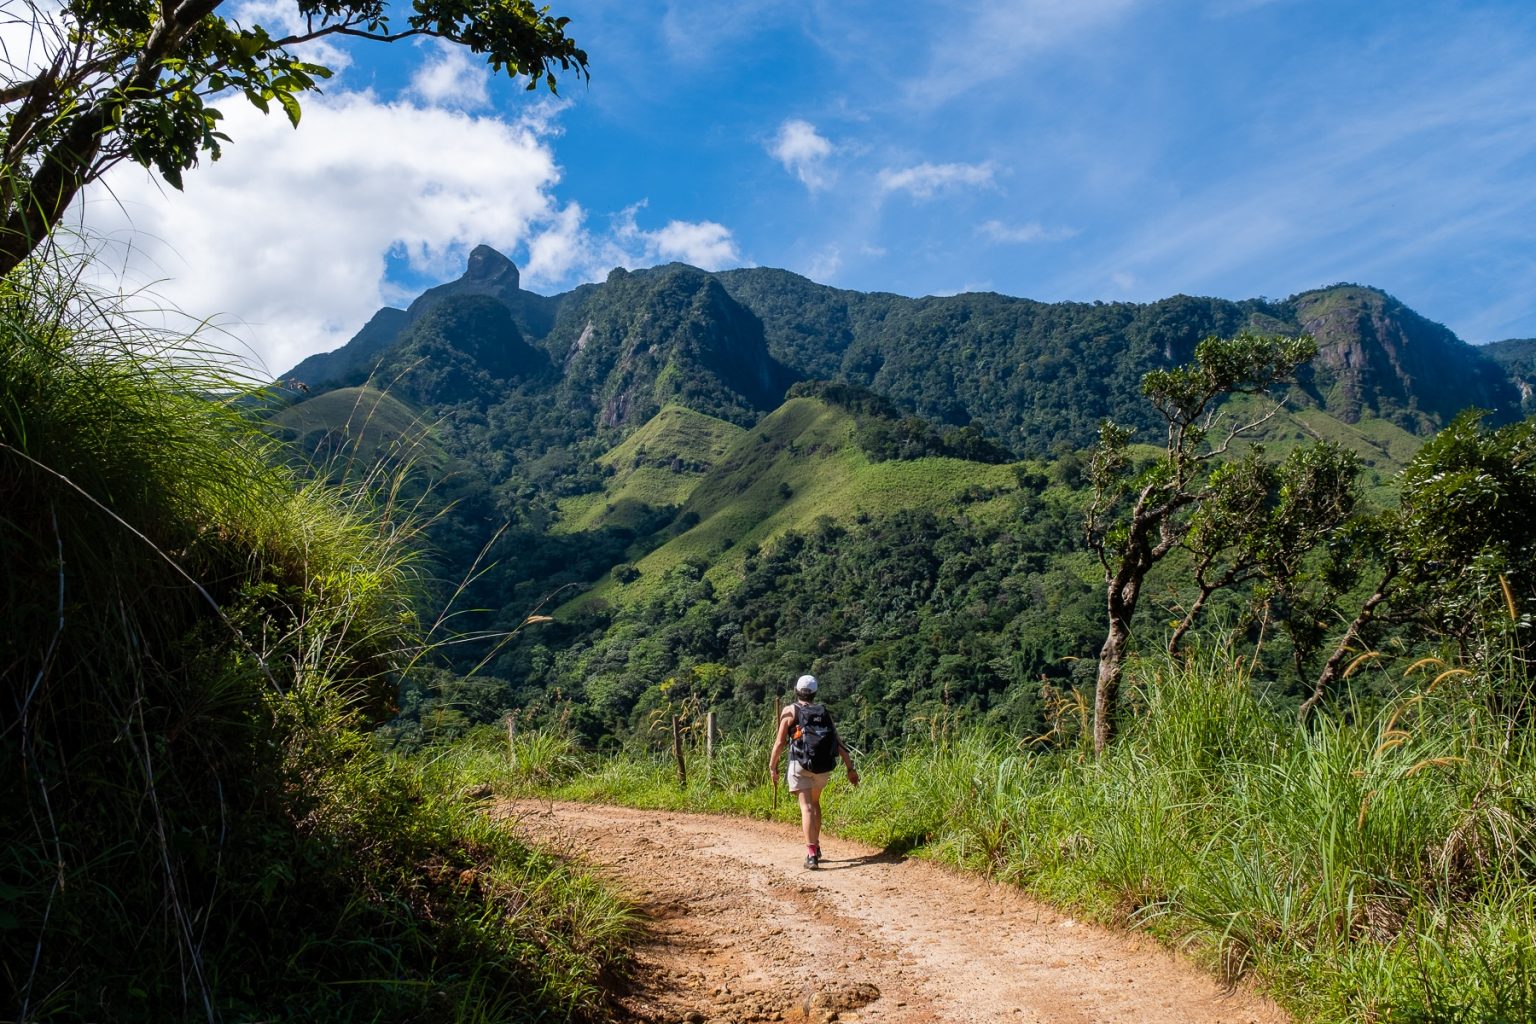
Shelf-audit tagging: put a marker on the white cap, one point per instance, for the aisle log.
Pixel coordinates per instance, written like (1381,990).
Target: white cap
(805,684)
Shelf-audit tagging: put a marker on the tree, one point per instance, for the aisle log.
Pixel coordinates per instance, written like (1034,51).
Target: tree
(1136,517)
(1259,521)
(112,80)
(1454,558)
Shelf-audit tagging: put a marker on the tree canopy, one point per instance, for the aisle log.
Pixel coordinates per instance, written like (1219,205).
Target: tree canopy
(102,81)
(1137,517)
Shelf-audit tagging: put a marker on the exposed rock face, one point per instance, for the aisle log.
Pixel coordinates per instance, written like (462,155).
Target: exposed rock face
(490,273)
(1375,355)
(1517,356)
(669,335)
(486,264)
(487,273)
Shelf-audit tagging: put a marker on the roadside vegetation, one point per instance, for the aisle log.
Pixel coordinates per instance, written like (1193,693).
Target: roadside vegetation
(1378,866)
(196,643)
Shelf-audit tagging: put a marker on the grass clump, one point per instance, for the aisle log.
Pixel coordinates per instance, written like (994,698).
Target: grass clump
(195,642)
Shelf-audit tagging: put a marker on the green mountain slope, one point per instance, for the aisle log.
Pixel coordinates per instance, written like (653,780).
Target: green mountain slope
(1037,374)
(655,468)
(799,464)
(670,452)
(672,335)
(365,426)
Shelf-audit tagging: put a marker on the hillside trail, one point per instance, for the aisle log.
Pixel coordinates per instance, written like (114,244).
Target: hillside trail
(739,931)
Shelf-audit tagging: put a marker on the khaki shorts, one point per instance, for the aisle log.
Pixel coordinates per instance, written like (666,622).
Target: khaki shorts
(802,780)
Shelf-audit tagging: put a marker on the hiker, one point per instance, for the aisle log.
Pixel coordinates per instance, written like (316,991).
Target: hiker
(814,749)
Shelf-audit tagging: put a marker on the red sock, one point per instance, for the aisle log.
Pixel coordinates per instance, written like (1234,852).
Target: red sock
(811,851)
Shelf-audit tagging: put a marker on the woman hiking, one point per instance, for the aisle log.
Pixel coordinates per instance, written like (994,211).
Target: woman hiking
(814,749)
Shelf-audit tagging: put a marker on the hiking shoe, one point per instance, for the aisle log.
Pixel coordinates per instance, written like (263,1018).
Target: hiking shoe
(813,861)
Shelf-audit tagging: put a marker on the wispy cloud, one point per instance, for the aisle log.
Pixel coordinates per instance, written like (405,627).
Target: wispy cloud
(924,180)
(1019,234)
(704,244)
(1386,190)
(696,30)
(980,41)
(803,151)
(566,250)
(824,265)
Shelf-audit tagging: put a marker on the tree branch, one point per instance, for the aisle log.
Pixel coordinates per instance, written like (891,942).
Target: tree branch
(1330,672)
(348,30)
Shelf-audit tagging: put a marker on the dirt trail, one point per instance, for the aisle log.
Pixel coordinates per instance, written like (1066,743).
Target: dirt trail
(741,933)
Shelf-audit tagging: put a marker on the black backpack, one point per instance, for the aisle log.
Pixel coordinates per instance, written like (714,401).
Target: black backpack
(813,741)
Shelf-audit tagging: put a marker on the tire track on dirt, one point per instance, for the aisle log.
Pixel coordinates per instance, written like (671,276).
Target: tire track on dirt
(741,933)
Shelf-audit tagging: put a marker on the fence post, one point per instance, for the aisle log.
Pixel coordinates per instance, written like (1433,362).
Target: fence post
(709,746)
(677,751)
(512,738)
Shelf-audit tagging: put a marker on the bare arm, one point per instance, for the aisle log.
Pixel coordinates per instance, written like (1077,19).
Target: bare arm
(853,773)
(786,717)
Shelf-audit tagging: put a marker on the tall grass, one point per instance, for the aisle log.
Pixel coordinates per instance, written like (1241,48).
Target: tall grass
(1378,867)
(194,640)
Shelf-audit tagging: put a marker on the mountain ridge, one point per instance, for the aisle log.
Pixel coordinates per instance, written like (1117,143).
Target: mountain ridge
(1038,376)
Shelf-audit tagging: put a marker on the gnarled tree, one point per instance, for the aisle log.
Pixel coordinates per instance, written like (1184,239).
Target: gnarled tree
(1136,517)
(1454,559)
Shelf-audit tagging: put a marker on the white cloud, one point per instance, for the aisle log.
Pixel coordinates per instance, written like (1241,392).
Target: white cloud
(703,244)
(923,180)
(288,234)
(561,249)
(1033,231)
(453,77)
(803,151)
(824,265)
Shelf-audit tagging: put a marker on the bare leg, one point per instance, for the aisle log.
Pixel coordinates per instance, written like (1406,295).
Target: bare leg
(810,817)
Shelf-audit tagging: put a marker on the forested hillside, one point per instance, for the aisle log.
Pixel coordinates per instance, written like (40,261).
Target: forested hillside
(713,481)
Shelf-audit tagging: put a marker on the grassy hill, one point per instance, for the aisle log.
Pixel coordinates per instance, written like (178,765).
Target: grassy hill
(1382,446)
(363,426)
(656,467)
(800,463)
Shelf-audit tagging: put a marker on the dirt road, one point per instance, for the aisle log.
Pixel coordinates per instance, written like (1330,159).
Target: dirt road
(742,932)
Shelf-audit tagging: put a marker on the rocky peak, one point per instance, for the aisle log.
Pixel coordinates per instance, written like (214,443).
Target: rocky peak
(486,264)
(1381,358)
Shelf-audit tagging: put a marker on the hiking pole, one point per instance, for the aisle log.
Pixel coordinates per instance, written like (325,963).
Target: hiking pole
(775,792)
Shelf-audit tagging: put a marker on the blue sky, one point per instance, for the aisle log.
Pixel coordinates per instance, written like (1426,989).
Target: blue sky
(1054,149)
